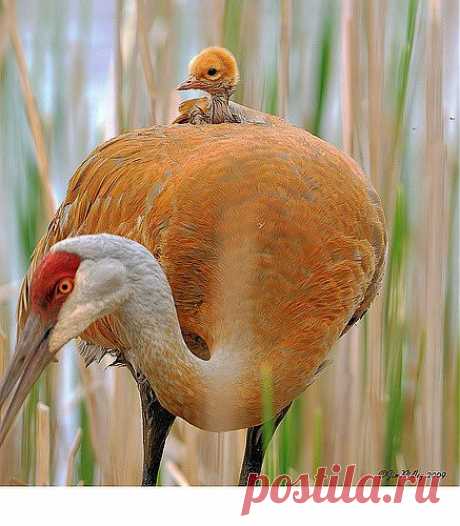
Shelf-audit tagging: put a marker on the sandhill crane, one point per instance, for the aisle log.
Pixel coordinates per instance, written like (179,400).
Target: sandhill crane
(214,71)
(253,248)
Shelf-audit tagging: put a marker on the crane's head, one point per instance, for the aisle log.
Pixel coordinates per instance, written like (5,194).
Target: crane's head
(79,281)
(214,70)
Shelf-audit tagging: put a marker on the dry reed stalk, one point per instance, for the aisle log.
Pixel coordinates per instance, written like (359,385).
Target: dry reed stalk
(451,22)
(118,68)
(6,454)
(33,115)
(353,414)
(209,470)
(96,404)
(356,72)
(251,87)
(9,452)
(375,31)
(9,457)
(3,37)
(342,401)
(130,50)
(346,76)
(348,419)
(213,33)
(221,455)
(71,457)
(191,462)
(212,457)
(124,435)
(174,450)
(2,349)
(176,473)
(434,244)
(146,59)
(375,15)
(42,467)
(309,399)
(220,458)
(135,109)
(283,64)
(233,450)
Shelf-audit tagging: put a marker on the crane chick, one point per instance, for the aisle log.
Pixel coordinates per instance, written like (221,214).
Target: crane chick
(214,71)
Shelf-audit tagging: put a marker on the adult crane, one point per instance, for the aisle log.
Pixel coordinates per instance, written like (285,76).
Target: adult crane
(203,256)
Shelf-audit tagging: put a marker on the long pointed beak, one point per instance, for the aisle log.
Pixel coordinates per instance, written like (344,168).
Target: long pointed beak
(30,359)
(190,83)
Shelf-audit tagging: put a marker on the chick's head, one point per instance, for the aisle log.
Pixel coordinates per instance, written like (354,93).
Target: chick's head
(214,70)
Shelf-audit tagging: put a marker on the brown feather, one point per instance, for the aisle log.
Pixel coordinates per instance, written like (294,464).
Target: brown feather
(271,238)
(186,107)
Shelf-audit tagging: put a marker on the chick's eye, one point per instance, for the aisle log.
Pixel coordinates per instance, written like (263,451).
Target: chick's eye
(212,71)
(65,286)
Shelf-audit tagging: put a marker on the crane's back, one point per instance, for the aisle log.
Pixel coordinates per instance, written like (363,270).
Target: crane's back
(272,240)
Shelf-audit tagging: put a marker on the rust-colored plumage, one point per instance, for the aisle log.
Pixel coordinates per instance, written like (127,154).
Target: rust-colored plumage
(272,240)
(214,71)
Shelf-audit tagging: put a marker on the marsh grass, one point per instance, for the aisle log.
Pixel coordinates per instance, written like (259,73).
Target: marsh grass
(43,446)
(379,79)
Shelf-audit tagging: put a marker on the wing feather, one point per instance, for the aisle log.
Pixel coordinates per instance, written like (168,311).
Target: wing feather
(265,212)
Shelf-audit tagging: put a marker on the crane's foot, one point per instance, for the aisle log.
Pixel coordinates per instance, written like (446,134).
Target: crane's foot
(256,445)
(156,424)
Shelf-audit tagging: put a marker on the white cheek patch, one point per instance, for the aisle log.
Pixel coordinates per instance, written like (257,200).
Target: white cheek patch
(95,280)
(71,325)
(100,288)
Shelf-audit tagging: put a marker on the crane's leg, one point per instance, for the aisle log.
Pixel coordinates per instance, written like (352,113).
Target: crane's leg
(156,424)
(256,447)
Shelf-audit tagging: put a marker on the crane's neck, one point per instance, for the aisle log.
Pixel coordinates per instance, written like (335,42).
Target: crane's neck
(181,380)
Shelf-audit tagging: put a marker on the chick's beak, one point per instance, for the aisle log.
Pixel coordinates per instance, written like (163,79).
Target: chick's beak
(190,83)
(30,359)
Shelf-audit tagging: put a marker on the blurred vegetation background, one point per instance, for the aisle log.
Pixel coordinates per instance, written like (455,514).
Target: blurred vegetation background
(377,78)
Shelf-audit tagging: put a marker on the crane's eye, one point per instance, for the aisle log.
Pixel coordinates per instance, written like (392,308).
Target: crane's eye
(212,72)
(64,287)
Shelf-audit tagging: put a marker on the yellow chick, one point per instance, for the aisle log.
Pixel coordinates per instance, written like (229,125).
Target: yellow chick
(214,71)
